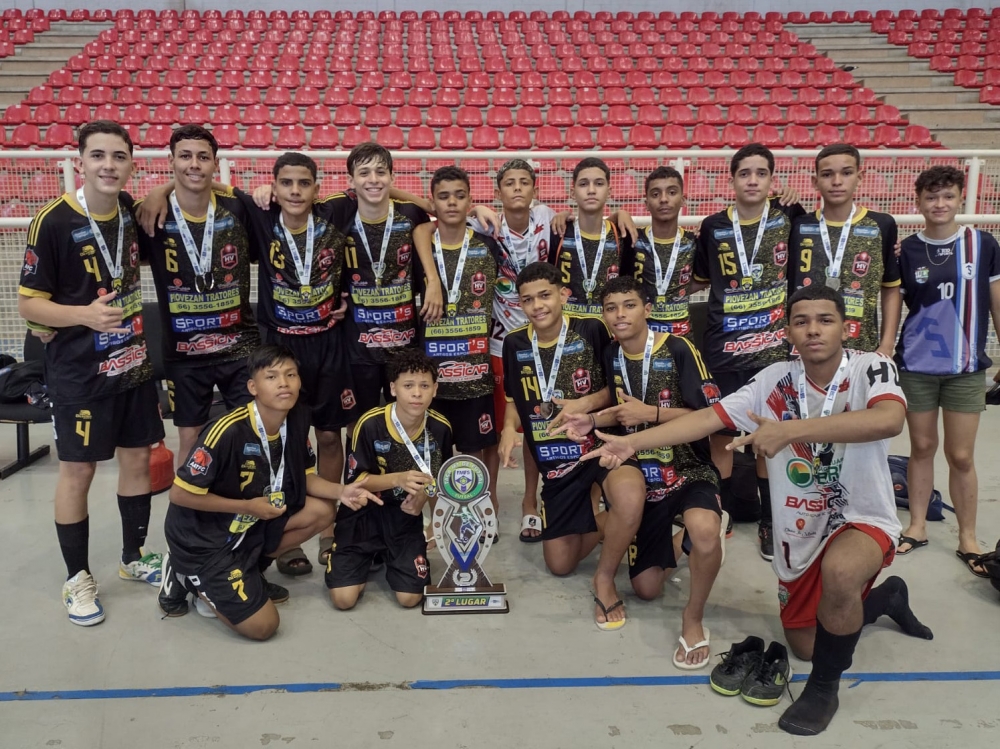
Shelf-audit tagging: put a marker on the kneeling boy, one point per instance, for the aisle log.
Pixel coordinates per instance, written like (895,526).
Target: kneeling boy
(397,449)
(253,464)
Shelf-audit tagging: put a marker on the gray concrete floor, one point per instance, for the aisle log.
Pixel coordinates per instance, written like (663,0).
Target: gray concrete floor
(373,677)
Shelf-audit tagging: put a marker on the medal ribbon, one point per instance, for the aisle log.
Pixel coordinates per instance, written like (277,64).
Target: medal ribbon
(276,478)
(455,287)
(590,279)
(114,265)
(423,465)
(379,267)
(831,394)
(202,264)
(663,280)
(303,265)
(741,249)
(509,242)
(646,358)
(835,261)
(548,386)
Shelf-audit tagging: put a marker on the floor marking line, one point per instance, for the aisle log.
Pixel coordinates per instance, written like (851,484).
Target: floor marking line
(445,684)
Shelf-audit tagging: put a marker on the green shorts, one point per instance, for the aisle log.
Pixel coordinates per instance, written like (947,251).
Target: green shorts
(965,393)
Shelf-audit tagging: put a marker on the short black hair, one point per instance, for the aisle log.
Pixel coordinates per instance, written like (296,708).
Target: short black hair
(663,172)
(751,149)
(294,158)
(410,360)
(839,149)
(103,126)
(516,165)
(267,356)
(624,285)
(449,174)
(539,272)
(817,292)
(193,132)
(937,177)
(370,151)
(591,162)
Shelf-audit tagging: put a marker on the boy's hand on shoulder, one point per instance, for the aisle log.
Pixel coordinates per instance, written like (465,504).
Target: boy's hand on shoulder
(488,218)
(263,196)
(559,221)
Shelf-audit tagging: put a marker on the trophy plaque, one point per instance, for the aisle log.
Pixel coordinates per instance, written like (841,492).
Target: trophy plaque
(464,526)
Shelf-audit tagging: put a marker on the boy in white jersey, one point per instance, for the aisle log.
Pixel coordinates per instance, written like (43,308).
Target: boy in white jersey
(834,514)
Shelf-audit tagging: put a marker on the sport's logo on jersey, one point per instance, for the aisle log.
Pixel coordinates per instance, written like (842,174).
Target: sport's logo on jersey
(123,360)
(30,262)
(459,371)
(685,277)
(781,254)
(325,259)
(382,446)
(199,461)
(422,568)
(668,475)
(251,448)
(229,257)
(386,338)
(581,381)
(799,472)
(612,272)
(968,271)
(664,398)
(920,275)
(352,464)
(861,264)
(403,256)
(711,392)
(479,283)
(133,254)
(347,400)
(485,424)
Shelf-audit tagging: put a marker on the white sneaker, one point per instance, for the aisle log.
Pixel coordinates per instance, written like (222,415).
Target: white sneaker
(204,608)
(144,570)
(82,603)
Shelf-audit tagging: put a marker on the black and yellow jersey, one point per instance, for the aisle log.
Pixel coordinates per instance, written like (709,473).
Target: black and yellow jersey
(63,263)
(618,258)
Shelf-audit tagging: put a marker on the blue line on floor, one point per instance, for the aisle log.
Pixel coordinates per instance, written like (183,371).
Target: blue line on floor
(438,684)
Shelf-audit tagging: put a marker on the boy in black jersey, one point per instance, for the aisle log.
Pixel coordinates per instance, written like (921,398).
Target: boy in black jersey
(200,258)
(654,378)
(743,256)
(664,253)
(398,449)
(253,464)
(552,369)
(594,249)
(458,342)
(851,249)
(80,288)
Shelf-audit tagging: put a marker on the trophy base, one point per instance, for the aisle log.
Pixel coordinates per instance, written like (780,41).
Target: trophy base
(487,600)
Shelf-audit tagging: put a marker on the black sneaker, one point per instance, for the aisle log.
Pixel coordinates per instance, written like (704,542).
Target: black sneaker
(277,593)
(172,597)
(765,533)
(727,678)
(766,684)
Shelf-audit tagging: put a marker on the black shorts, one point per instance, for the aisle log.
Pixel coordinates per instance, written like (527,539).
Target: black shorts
(729,383)
(473,422)
(325,373)
(371,384)
(565,502)
(389,530)
(191,385)
(232,582)
(90,432)
(653,545)
(274,529)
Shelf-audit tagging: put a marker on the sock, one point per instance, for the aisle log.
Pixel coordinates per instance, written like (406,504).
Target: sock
(892,599)
(764,490)
(135,524)
(263,563)
(812,712)
(74,541)
(726,494)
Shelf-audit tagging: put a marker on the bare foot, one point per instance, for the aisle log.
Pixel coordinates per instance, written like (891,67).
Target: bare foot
(606,592)
(693,632)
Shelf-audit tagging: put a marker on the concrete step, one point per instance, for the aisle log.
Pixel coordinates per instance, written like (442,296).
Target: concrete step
(866,52)
(828,30)
(31,65)
(950,118)
(928,81)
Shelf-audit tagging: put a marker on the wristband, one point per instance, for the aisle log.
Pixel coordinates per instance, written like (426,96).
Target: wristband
(593,421)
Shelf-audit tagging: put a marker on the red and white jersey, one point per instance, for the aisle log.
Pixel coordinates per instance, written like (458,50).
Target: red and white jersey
(814,495)
(520,250)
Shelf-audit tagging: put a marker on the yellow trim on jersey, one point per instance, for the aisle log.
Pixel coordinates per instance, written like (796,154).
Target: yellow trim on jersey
(699,279)
(178,481)
(311,471)
(33,293)
(332,196)
(36,222)
(656,347)
(857,217)
(216,432)
(226,192)
(431,413)
(364,417)
(72,202)
(439,416)
(469,233)
(38,326)
(892,284)
(200,219)
(362,475)
(745,221)
(702,369)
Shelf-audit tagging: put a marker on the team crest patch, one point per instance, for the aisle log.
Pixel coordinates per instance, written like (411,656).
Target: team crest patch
(581,381)
(968,271)
(382,446)
(422,568)
(612,272)
(920,275)
(352,464)
(485,424)
(781,254)
(229,257)
(251,448)
(347,400)
(664,398)
(479,283)
(199,461)
(403,256)
(30,262)
(711,392)
(861,264)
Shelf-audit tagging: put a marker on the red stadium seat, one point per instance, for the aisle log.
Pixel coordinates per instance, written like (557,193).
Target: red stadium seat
(887,136)
(549,138)
(135,114)
(517,138)
(735,136)
(711,114)
(577,137)
(16,114)
(706,136)
(918,136)
(610,137)
(291,136)
(888,114)
(165,114)
(156,136)
(485,138)
(857,135)
(59,136)
(421,139)
(529,117)
(824,135)
(390,136)
(347,115)
(355,135)
(454,139)
(324,137)
(408,116)
(800,114)
(797,136)
(767,135)
(674,136)
(680,115)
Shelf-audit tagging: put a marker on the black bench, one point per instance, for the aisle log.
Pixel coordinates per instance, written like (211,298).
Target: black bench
(23,416)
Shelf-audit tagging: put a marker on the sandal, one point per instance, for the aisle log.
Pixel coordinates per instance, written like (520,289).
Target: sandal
(607,626)
(972,560)
(914,544)
(682,663)
(530,523)
(325,550)
(294,563)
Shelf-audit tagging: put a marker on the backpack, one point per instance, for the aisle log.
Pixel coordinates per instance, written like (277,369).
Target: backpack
(24,382)
(897,467)
(991,564)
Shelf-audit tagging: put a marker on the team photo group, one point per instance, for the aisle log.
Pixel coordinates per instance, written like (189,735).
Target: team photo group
(562,347)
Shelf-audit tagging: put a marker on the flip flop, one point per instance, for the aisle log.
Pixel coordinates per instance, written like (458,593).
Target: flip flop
(914,545)
(683,664)
(531,523)
(294,563)
(325,550)
(607,626)
(971,559)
